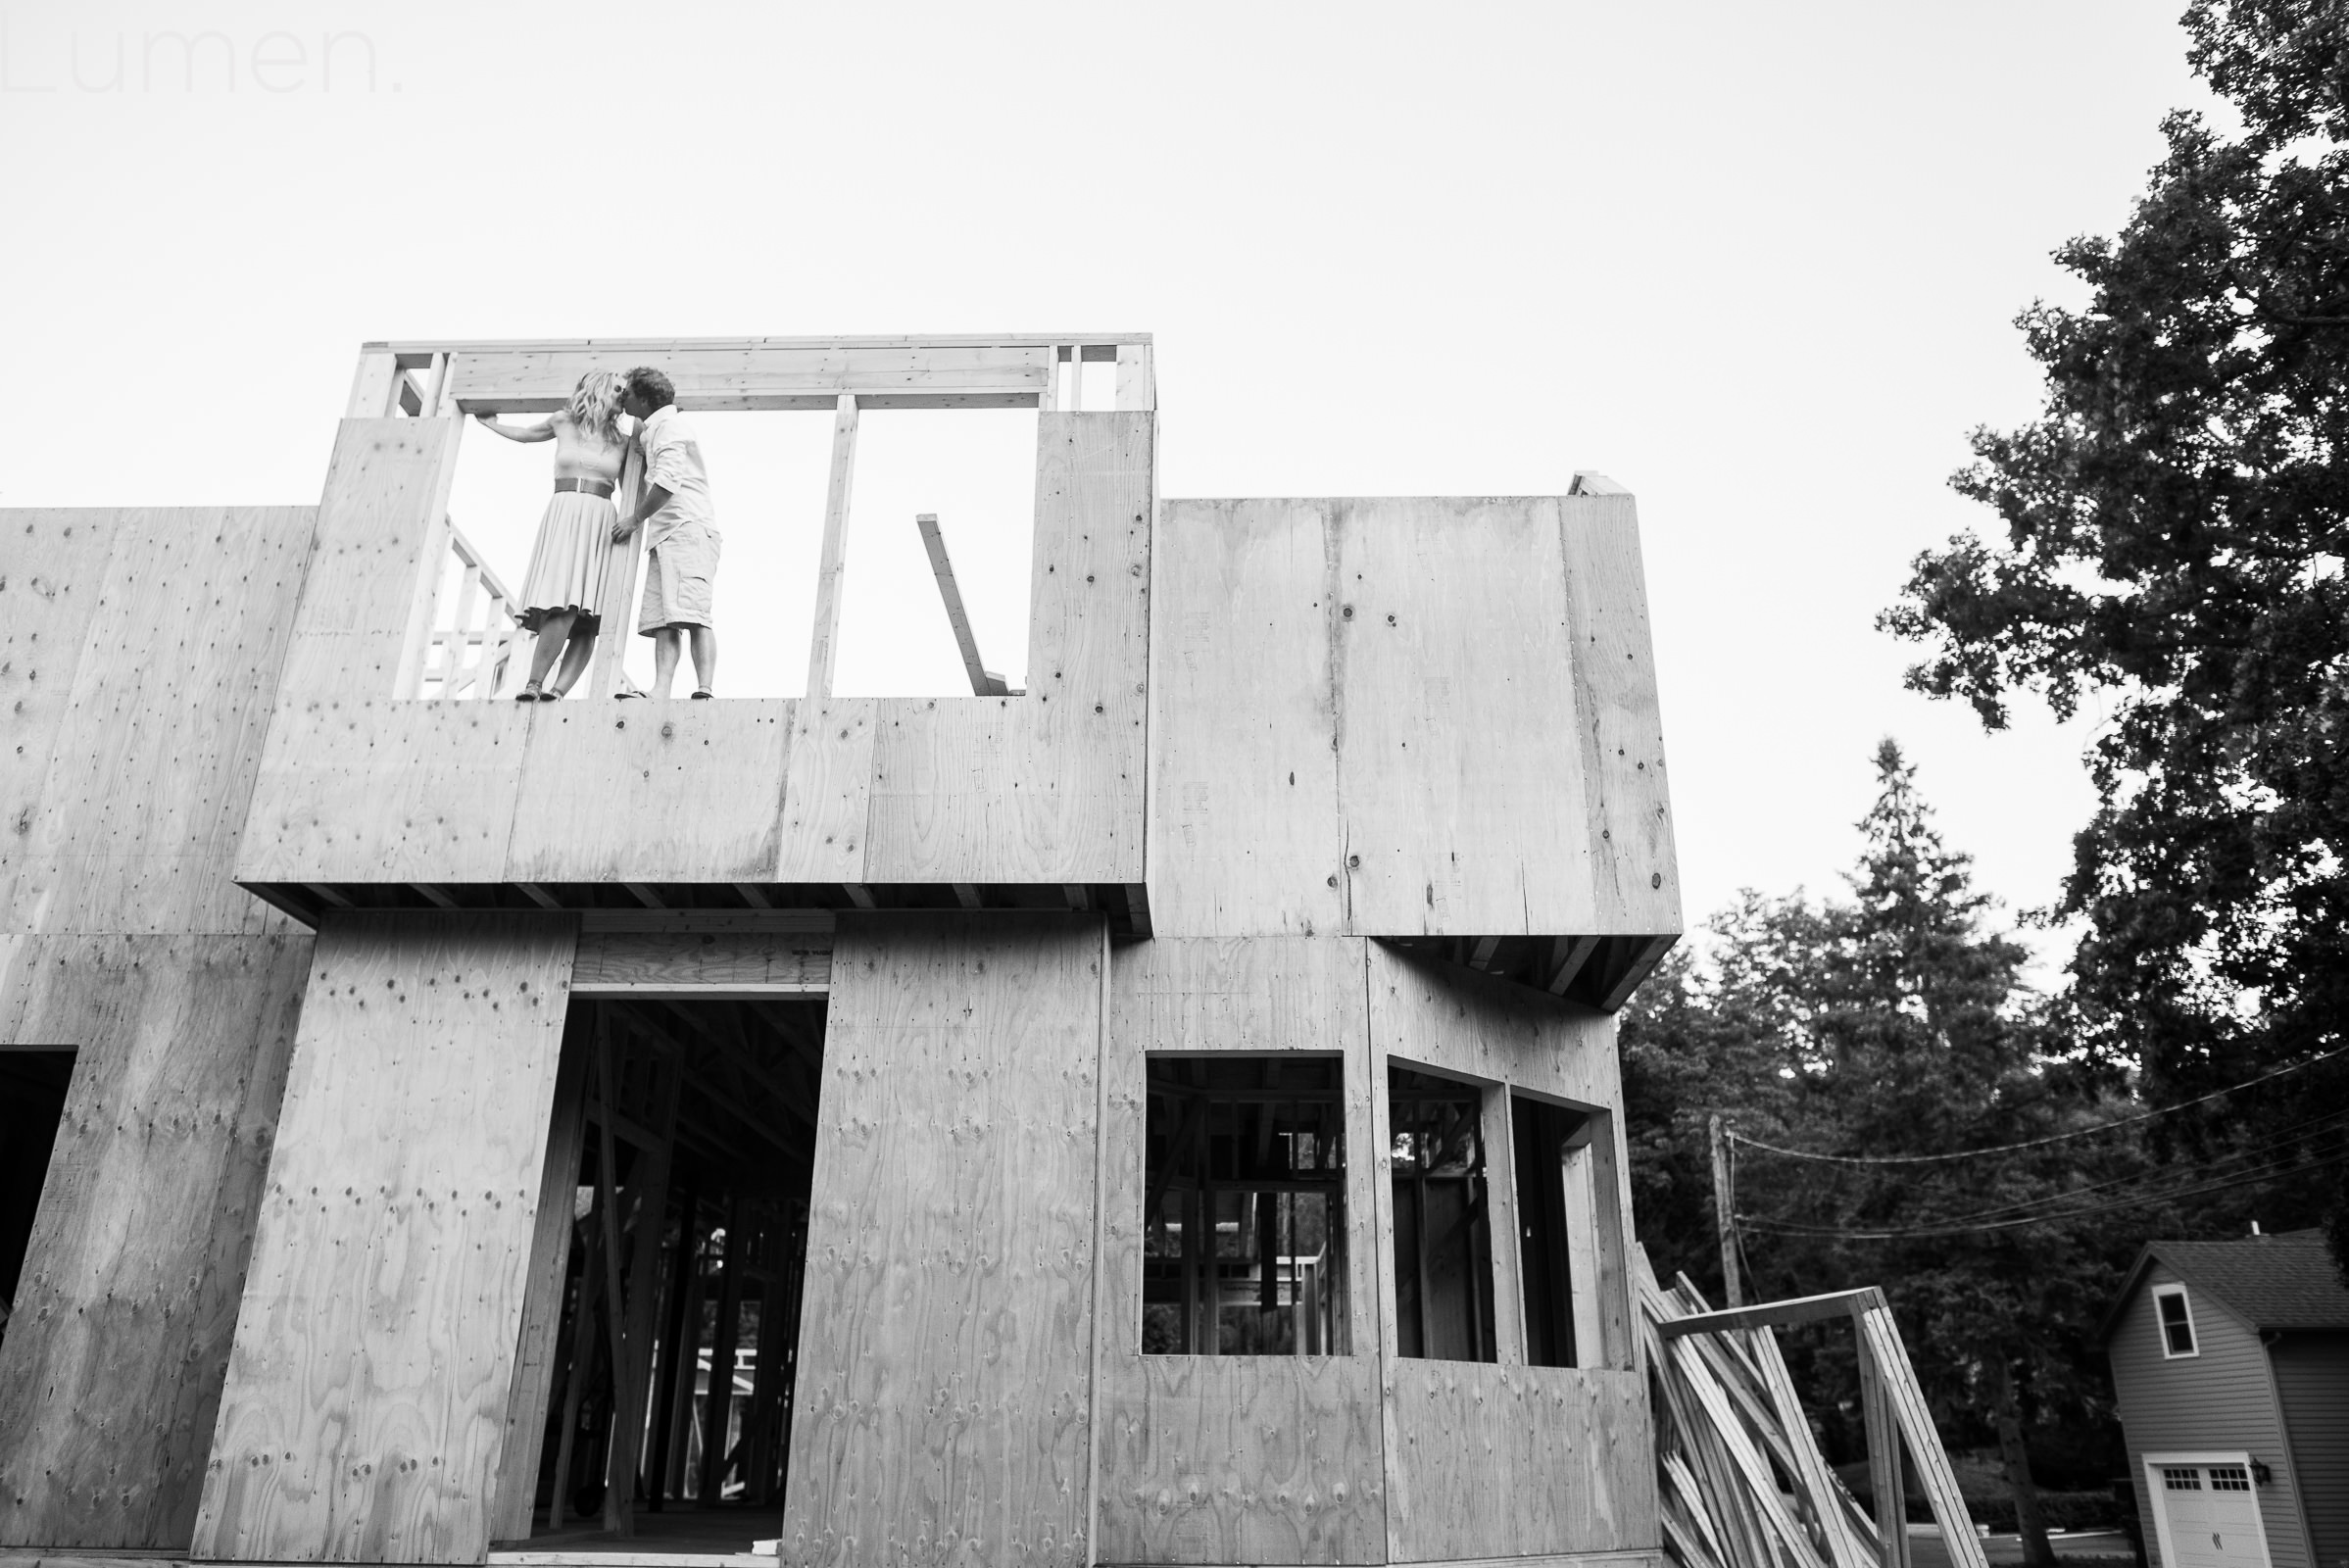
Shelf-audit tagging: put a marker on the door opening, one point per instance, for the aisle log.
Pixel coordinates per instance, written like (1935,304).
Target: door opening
(678,1166)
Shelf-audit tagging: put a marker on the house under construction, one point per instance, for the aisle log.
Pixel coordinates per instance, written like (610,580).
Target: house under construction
(1167,1114)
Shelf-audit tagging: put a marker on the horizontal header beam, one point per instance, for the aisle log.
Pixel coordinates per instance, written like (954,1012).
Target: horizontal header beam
(1775,1314)
(425,347)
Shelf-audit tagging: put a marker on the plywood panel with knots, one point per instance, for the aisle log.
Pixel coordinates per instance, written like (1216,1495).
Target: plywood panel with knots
(1619,728)
(1244,835)
(382,531)
(944,1386)
(111,1368)
(1514,1462)
(385,791)
(49,593)
(155,756)
(363,1415)
(1457,774)
(651,792)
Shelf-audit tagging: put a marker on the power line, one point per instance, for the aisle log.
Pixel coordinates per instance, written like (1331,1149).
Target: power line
(1928,1232)
(2033,1143)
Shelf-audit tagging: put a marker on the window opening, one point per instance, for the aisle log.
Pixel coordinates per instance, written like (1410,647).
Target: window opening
(1556,1225)
(971,470)
(1244,1207)
(2229,1478)
(32,1102)
(1442,1218)
(2177,1321)
(2181,1479)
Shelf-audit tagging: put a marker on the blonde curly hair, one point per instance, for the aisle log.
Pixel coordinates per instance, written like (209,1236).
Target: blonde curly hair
(595,406)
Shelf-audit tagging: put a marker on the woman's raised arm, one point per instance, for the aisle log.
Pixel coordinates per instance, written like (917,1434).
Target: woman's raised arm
(544,430)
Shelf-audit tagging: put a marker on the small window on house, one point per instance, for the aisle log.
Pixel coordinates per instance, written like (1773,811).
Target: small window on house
(1442,1218)
(2181,1478)
(2176,1319)
(2229,1478)
(1244,1207)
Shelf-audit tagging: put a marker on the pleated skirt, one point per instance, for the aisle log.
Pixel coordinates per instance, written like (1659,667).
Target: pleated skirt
(566,564)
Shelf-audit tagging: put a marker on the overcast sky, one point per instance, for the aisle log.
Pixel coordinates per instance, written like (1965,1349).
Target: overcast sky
(1756,262)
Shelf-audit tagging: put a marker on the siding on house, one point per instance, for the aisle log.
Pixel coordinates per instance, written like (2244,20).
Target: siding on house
(2220,1400)
(2312,1376)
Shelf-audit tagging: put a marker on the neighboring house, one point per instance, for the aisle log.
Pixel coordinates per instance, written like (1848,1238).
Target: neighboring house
(2232,1363)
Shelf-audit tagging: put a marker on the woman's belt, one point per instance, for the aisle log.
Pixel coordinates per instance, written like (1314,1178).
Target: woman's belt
(592,487)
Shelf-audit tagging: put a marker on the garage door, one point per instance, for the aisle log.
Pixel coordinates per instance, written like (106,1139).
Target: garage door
(2210,1515)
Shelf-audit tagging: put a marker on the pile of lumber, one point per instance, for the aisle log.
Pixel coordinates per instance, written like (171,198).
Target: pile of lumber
(1740,1476)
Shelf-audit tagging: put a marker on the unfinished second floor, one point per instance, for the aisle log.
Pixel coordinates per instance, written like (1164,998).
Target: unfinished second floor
(1431,720)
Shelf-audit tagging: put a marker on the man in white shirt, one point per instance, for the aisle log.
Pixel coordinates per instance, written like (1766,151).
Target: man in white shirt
(681,537)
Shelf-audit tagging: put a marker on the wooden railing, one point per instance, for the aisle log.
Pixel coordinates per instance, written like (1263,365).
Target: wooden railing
(471,645)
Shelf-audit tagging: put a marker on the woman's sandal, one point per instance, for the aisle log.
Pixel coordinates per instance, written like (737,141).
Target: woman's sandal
(703,694)
(531,692)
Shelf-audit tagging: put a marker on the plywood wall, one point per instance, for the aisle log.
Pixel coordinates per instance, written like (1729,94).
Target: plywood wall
(138,651)
(1405,716)
(111,1371)
(944,1399)
(365,1409)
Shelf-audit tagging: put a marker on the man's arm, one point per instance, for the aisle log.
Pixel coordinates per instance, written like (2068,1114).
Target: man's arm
(652,500)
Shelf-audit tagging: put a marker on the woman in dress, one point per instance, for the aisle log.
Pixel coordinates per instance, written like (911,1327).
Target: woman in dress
(562,597)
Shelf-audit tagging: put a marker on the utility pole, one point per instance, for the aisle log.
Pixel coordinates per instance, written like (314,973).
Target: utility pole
(1723,1212)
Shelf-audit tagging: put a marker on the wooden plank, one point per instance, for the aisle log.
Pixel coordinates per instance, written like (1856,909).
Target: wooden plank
(1090,581)
(46,607)
(154,758)
(438,1037)
(1625,798)
(382,528)
(689,963)
(650,792)
(385,791)
(984,682)
(371,387)
(645,1203)
(827,791)
(535,1349)
(1760,1485)
(1884,1459)
(1457,771)
(1567,958)
(1244,835)
(945,1345)
(608,674)
(126,1306)
(1136,385)
(754,376)
(1897,1382)
(1773,1315)
(1811,1476)
(1272,1459)
(832,562)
